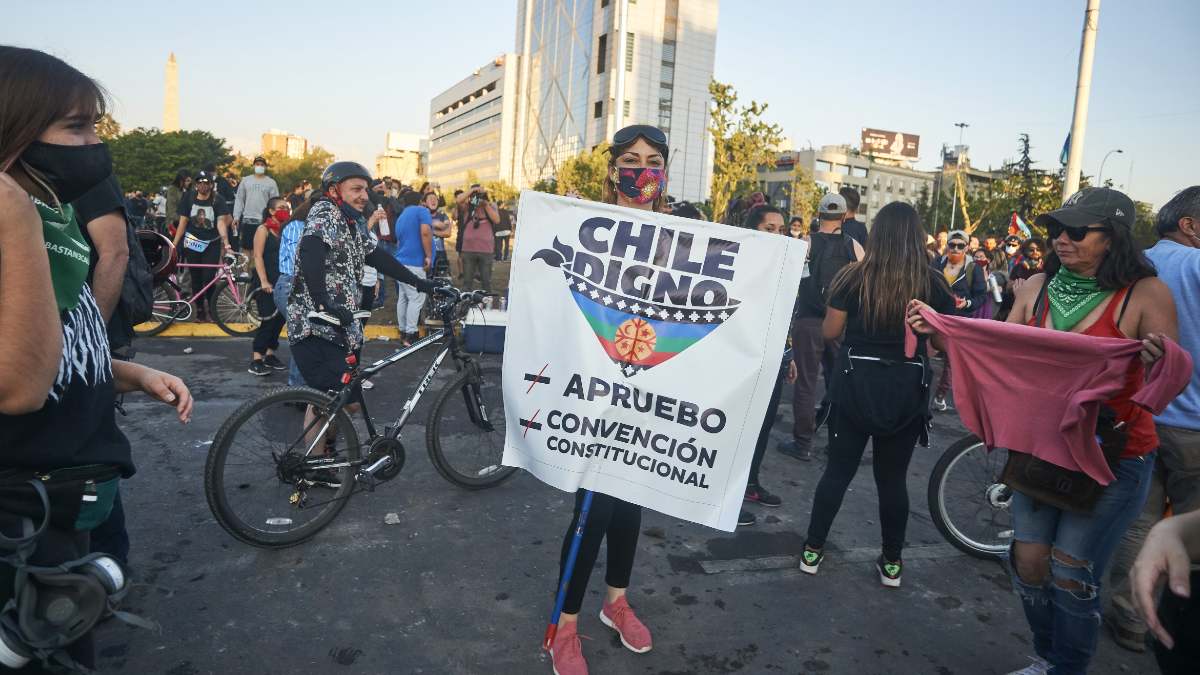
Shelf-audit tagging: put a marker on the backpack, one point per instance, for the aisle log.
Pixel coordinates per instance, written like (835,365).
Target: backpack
(137,289)
(824,263)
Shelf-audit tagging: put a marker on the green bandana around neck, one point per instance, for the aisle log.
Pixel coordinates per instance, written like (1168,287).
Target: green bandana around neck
(69,253)
(1072,297)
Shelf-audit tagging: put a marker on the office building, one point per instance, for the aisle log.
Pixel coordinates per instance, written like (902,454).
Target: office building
(404,157)
(589,67)
(171,96)
(471,126)
(834,166)
(288,145)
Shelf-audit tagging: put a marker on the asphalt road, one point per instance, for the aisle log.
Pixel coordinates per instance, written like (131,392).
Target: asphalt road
(422,577)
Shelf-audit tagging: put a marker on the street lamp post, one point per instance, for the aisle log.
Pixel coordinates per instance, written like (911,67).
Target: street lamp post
(957,168)
(1100,177)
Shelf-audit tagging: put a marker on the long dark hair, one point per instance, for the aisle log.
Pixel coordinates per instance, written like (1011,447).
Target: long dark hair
(894,269)
(37,90)
(1123,265)
(615,151)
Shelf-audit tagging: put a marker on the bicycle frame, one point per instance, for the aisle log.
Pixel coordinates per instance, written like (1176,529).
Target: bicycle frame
(226,273)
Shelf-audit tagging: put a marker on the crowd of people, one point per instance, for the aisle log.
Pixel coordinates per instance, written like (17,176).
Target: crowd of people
(321,253)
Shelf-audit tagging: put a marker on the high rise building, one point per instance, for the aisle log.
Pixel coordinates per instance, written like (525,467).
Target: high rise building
(288,145)
(404,157)
(833,167)
(171,96)
(590,67)
(472,126)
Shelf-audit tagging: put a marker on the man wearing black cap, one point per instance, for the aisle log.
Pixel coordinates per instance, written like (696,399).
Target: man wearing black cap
(203,220)
(253,194)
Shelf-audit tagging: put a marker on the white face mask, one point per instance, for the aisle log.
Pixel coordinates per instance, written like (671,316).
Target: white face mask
(260,169)
(1010,249)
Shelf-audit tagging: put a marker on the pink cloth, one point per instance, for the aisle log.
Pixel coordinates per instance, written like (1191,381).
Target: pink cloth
(1039,391)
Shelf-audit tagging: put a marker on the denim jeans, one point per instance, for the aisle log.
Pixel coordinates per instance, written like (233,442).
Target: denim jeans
(1066,623)
(283,288)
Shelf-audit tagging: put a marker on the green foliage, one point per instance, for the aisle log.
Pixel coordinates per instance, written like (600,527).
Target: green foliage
(585,173)
(742,142)
(1145,234)
(804,193)
(288,171)
(548,185)
(501,192)
(147,159)
(107,128)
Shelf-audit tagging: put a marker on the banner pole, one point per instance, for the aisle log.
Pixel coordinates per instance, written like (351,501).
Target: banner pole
(568,569)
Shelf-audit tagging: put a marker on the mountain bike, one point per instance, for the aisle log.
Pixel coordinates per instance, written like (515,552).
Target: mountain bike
(968,503)
(235,306)
(283,466)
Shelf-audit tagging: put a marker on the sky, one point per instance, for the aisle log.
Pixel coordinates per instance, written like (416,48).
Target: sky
(343,75)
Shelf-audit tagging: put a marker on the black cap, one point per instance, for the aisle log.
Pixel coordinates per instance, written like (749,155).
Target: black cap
(258,159)
(1093,205)
(204,176)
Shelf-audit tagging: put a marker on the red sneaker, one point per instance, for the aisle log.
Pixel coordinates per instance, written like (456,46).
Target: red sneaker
(566,654)
(619,617)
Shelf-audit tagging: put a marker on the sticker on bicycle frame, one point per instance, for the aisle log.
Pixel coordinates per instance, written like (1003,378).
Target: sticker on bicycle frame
(642,351)
(193,244)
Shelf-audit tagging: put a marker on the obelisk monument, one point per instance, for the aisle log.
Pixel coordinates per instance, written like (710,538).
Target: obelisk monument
(171,96)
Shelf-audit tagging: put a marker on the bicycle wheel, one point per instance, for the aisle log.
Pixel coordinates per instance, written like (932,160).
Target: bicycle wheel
(260,485)
(235,314)
(967,501)
(460,449)
(166,308)
(252,305)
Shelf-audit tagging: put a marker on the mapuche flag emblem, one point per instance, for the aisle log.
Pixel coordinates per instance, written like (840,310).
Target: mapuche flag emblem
(636,333)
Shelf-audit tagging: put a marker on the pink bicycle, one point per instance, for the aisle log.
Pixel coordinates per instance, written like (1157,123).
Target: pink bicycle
(234,304)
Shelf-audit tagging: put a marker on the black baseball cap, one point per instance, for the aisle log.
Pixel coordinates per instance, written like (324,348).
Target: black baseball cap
(258,159)
(204,177)
(1092,205)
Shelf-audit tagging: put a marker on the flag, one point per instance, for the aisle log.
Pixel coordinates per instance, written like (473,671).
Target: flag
(1018,226)
(1066,151)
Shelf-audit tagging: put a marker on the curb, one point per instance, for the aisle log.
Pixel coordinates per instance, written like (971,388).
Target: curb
(212,330)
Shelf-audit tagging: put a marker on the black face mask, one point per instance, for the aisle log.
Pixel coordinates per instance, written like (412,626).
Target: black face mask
(72,170)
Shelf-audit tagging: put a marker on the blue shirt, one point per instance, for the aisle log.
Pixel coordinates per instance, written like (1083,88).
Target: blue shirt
(409,249)
(289,240)
(1179,268)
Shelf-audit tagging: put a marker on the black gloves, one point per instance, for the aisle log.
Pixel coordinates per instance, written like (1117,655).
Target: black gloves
(430,285)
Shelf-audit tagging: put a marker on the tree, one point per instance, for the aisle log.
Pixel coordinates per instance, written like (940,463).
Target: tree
(1145,234)
(805,194)
(501,191)
(742,142)
(548,185)
(147,159)
(107,127)
(585,173)
(289,171)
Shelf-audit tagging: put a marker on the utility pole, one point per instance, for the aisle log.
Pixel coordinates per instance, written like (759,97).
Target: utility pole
(958,151)
(941,183)
(1083,89)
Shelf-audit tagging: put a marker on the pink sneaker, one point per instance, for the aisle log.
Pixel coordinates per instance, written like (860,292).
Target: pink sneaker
(619,617)
(566,654)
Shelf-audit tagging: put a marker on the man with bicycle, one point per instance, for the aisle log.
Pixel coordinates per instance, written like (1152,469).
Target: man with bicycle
(329,263)
(203,218)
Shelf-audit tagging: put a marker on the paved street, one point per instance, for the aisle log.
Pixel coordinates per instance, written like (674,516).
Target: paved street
(462,582)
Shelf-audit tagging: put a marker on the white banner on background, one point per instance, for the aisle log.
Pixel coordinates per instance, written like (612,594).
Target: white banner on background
(641,352)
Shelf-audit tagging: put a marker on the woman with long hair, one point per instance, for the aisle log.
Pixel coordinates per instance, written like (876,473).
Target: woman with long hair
(58,382)
(1096,282)
(266,267)
(867,302)
(637,179)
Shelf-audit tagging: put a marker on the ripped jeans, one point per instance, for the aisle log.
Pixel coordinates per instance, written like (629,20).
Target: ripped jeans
(1066,623)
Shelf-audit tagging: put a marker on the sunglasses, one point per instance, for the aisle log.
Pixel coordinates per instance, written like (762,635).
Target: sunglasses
(957,247)
(630,133)
(1054,230)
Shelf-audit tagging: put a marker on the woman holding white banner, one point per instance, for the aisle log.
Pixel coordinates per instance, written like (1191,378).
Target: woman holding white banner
(637,179)
(877,393)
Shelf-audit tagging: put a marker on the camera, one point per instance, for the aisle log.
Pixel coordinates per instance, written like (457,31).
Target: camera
(479,198)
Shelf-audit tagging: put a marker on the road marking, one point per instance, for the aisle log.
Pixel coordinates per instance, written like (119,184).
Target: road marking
(853,555)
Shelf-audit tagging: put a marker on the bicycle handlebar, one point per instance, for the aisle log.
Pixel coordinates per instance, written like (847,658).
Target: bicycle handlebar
(234,259)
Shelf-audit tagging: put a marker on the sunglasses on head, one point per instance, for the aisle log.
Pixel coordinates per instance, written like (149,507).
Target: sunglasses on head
(630,133)
(1054,230)
(957,246)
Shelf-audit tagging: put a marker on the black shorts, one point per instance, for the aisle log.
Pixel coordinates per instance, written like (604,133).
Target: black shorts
(245,235)
(321,362)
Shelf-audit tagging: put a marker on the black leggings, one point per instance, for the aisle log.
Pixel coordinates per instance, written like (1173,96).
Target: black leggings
(621,522)
(891,456)
(266,336)
(764,436)
(202,275)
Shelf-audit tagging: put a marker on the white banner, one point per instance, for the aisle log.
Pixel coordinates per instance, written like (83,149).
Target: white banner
(641,352)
